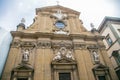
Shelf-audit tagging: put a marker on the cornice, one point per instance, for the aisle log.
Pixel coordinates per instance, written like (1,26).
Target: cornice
(53,8)
(105,20)
(36,35)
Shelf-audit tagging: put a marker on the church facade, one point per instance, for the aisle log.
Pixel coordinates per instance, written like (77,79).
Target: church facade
(57,47)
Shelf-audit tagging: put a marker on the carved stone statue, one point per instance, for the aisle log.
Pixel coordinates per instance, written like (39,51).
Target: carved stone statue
(96,56)
(59,15)
(57,56)
(60,53)
(63,53)
(69,55)
(25,56)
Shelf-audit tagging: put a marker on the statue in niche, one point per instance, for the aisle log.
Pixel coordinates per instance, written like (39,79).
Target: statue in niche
(95,56)
(69,54)
(25,56)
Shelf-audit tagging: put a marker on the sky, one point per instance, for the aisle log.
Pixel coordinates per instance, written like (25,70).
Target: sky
(92,11)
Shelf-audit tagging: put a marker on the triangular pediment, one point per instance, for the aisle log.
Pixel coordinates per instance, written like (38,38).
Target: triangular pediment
(23,67)
(100,66)
(55,8)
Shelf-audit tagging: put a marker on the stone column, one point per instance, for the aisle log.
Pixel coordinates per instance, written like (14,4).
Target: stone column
(109,64)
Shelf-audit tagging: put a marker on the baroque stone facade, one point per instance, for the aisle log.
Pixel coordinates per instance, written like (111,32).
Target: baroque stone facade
(57,47)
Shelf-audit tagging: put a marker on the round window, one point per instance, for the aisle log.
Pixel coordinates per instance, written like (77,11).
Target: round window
(59,24)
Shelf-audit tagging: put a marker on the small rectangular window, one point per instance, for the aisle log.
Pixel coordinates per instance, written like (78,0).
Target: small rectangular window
(101,78)
(109,40)
(64,76)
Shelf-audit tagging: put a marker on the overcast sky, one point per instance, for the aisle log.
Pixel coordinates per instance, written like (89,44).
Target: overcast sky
(12,11)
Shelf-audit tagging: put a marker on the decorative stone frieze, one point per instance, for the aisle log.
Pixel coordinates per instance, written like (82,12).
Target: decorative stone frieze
(23,44)
(16,44)
(43,44)
(79,46)
(58,45)
(27,45)
(64,53)
(92,46)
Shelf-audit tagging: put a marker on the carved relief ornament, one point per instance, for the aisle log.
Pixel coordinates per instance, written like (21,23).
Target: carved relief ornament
(63,53)
(44,44)
(57,45)
(79,46)
(16,43)
(59,15)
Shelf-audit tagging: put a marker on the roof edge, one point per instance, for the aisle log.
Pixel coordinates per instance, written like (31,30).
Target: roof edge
(107,18)
(57,6)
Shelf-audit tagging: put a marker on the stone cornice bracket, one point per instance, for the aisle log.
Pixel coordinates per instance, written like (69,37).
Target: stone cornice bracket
(28,45)
(92,46)
(58,45)
(43,44)
(79,46)
(16,44)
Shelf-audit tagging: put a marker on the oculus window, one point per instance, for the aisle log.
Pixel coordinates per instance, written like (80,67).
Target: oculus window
(60,24)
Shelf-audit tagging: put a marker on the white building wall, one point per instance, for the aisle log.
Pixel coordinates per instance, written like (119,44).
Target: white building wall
(105,33)
(116,27)
(5,40)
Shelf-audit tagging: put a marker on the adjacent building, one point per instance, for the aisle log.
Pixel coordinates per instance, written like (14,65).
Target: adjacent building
(110,28)
(57,47)
(5,41)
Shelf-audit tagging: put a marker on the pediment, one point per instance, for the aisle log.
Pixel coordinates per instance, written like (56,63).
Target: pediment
(55,8)
(100,66)
(23,67)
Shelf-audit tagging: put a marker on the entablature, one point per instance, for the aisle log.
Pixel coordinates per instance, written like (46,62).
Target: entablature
(50,40)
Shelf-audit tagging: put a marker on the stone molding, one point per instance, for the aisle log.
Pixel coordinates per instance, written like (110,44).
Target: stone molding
(62,44)
(43,44)
(55,44)
(79,46)
(16,44)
